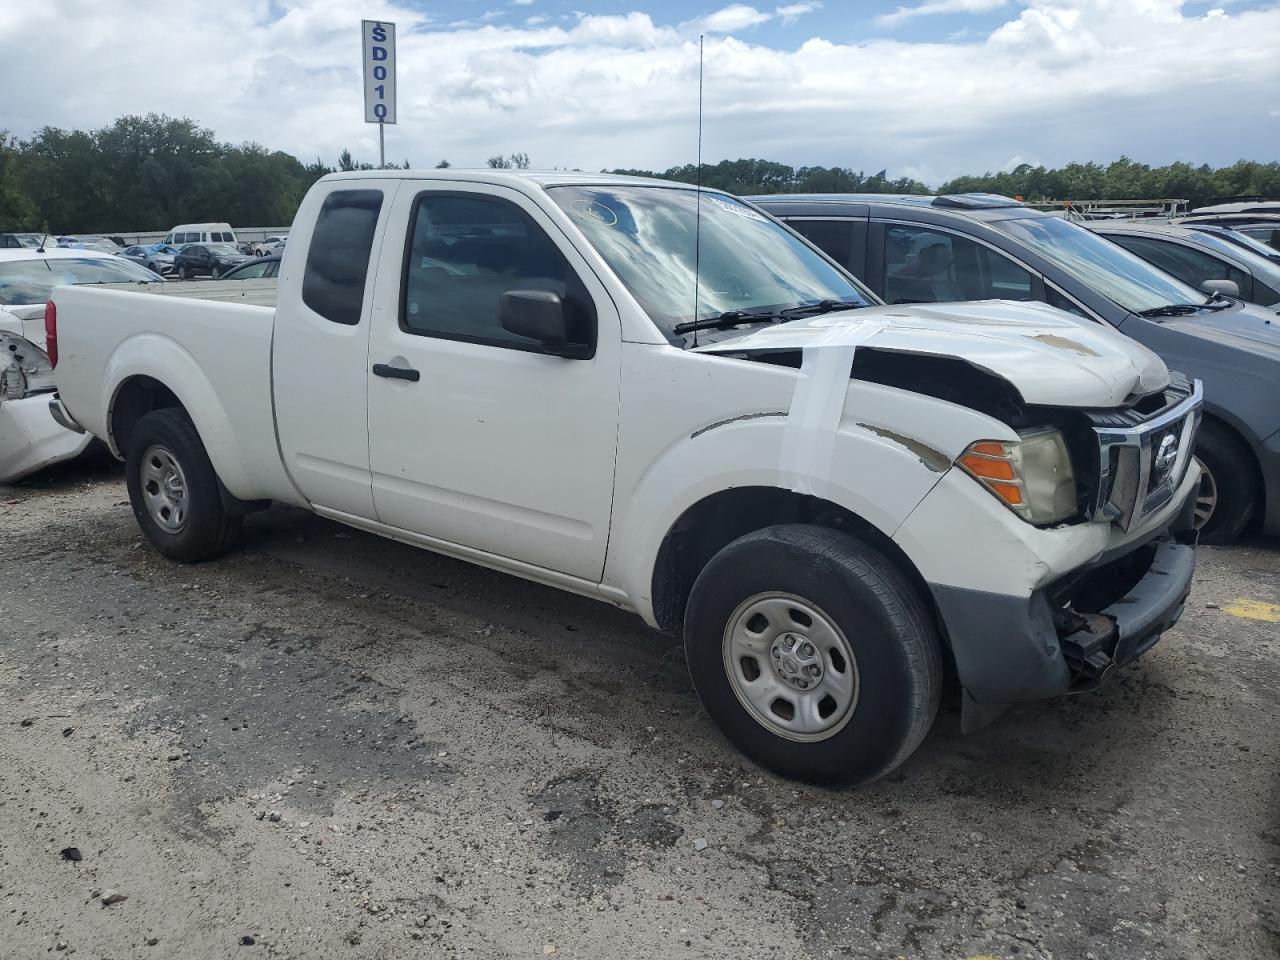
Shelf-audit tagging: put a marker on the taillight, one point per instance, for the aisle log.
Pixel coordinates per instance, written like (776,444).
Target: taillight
(51,332)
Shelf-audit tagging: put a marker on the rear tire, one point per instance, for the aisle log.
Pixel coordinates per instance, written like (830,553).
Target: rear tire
(813,654)
(216,273)
(174,490)
(1228,492)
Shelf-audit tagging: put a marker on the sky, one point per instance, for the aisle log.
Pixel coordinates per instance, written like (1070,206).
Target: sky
(929,89)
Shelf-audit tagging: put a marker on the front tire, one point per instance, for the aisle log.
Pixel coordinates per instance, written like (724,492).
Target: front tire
(813,654)
(174,490)
(1228,491)
(216,273)
(182,273)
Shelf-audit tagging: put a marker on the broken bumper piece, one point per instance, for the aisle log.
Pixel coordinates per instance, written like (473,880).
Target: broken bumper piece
(1071,635)
(30,438)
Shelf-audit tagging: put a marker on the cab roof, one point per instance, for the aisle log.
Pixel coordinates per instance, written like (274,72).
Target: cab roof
(516,178)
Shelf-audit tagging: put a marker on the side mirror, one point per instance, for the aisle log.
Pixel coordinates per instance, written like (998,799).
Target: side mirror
(1228,288)
(539,315)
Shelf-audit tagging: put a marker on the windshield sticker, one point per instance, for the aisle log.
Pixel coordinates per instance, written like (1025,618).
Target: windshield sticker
(593,211)
(737,209)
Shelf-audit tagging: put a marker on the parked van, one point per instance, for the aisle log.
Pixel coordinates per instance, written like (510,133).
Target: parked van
(201,233)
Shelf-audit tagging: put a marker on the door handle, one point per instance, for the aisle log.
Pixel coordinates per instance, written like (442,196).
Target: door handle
(395,373)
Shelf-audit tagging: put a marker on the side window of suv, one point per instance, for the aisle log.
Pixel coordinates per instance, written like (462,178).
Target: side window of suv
(832,237)
(1191,266)
(465,251)
(931,266)
(338,259)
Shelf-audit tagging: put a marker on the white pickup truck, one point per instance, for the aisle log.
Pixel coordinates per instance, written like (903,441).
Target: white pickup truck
(666,400)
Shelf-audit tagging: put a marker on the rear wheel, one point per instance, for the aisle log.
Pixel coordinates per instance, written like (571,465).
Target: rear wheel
(813,654)
(1228,491)
(216,273)
(174,490)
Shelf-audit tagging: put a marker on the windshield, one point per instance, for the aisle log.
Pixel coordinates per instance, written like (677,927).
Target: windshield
(223,249)
(1107,267)
(1246,248)
(748,263)
(31,281)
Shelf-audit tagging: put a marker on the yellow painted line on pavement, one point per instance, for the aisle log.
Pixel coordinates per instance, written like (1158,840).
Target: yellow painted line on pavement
(1247,609)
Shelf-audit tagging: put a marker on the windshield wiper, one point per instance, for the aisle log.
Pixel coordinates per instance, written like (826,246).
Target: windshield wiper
(730,318)
(735,318)
(822,306)
(1183,309)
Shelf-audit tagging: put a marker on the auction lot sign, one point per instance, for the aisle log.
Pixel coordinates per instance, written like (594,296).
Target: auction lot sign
(379,71)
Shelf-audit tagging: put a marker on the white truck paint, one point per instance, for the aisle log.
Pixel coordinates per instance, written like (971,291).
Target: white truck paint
(630,474)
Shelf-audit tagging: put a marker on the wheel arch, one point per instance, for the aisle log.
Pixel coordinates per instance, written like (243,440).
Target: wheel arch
(715,521)
(150,372)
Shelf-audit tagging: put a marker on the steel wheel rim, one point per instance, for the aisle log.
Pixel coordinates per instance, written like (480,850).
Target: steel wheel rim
(1206,496)
(790,667)
(164,488)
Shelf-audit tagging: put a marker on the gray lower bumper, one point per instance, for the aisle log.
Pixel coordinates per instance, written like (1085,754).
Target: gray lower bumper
(1010,649)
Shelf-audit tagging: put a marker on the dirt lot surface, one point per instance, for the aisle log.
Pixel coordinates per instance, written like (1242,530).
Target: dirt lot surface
(327,745)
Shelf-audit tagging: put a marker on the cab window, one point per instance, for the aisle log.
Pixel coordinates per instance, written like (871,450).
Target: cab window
(464,252)
(932,266)
(338,258)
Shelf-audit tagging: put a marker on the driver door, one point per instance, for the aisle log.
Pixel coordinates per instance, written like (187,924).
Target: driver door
(477,436)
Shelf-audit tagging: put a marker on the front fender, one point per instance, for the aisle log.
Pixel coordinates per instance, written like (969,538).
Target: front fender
(164,360)
(877,472)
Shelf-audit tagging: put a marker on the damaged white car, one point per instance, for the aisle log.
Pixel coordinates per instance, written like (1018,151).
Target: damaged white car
(30,438)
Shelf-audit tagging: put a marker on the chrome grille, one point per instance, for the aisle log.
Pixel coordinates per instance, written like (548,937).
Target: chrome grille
(1143,464)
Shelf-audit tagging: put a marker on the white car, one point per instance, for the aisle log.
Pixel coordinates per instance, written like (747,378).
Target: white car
(269,246)
(30,438)
(829,497)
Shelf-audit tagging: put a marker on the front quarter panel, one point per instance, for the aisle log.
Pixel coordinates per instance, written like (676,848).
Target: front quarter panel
(694,425)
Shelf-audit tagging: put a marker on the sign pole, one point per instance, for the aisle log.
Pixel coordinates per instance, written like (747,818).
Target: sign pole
(378,40)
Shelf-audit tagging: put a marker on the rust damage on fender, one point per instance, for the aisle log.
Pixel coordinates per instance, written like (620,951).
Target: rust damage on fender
(737,419)
(935,460)
(1064,343)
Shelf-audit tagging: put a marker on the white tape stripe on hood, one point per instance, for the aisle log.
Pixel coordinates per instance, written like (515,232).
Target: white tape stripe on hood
(817,404)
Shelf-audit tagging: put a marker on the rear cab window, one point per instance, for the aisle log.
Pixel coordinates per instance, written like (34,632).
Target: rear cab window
(333,281)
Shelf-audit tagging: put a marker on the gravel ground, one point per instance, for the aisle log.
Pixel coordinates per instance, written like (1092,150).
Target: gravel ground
(327,745)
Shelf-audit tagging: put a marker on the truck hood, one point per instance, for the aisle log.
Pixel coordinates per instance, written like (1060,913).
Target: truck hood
(1050,357)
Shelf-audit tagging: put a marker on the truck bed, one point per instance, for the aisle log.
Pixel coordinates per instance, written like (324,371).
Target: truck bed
(256,293)
(208,341)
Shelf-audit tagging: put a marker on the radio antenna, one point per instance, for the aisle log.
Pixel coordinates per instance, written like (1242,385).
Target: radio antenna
(697,220)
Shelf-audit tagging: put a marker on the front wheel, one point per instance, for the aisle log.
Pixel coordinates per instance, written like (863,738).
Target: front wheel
(216,273)
(174,490)
(1228,490)
(813,654)
(182,273)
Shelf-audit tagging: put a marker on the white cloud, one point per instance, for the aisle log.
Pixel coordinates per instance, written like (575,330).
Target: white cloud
(736,16)
(934,7)
(1060,80)
(793,11)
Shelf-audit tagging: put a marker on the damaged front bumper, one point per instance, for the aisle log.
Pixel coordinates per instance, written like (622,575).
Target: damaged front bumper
(31,439)
(1070,635)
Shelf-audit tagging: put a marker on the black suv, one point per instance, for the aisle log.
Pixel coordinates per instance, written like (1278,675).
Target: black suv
(914,249)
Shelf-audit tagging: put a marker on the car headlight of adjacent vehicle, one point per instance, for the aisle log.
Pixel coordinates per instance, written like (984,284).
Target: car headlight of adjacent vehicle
(24,368)
(1032,475)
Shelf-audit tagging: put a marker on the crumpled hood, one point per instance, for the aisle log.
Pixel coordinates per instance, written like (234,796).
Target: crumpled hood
(1051,357)
(24,320)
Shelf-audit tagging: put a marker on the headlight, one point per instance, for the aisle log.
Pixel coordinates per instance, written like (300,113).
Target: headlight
(1031,476)
(24,368)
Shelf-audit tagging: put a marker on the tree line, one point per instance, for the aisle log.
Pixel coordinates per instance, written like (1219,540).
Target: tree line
(145,173)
